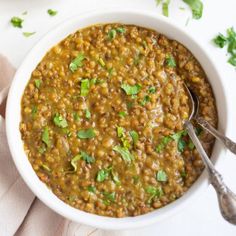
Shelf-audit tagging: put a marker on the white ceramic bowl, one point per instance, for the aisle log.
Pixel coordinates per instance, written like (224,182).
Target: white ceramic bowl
(13,114)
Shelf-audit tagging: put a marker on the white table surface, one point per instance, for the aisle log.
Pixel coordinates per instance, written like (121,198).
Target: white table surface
(202,217)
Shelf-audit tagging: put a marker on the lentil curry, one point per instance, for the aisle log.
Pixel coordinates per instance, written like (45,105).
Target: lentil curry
(102,120)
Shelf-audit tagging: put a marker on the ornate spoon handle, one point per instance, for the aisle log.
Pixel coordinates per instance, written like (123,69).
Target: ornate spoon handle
(226,198)
(226,141)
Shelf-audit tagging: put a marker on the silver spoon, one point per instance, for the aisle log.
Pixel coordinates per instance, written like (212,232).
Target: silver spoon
(194,114)
(226,198)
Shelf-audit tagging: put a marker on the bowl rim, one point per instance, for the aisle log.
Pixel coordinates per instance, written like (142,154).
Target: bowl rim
(40,189)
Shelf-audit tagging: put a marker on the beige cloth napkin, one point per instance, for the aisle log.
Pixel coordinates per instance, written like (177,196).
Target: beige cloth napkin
(22,214)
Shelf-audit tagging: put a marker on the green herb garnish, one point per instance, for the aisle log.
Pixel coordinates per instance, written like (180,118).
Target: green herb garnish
(131,90)
(28,34)
(77,62)
(45,136)
(109,196)
(37,83)
(112,34)
(17,21)
(165,8)
(134,135)
(91,189)
(152,89)
(145,100)
(170,61)
(103,174)
(76,116)
(154,192)
(86,133)
(45,167)
(51,12)
(122,114)
(87,114)
(164,141)
(124,152)
(86,157)
(161,176)
(84,88)
(101,62)
(120,131)
(196,7)
(120,30)
(220,40)
(74,161)
(60,121)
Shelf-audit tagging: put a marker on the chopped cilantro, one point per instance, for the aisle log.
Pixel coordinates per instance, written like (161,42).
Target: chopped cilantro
(85,156)
(161,176)
(91,189)
(122,114)
(28,34)
(60,121)
(45,167)
(87,114)
(17,21)
(154,192)
(170,61)
(152,89)
(103,174)
(74,161)
(131,90)
(45,136)
(220,40)
(165,8)
(120,30)
(51,12)
(77,62)
(112,34)
(84,88)
(134,135)
(145,100)
(196,7)
(86,133)
(124,152)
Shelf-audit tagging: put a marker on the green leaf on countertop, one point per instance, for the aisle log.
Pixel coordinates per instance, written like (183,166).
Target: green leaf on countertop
(17,21)
(196,7)
(51,12)
(77,62)
(86,133)
(220,40)
(28,34)
(165,8)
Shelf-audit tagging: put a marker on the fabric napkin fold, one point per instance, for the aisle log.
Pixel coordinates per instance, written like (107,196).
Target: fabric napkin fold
(21,213)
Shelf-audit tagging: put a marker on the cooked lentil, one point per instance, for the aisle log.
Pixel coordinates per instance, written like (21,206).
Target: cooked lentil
(102,120)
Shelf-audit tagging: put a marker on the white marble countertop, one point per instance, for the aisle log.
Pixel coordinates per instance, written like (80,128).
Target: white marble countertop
(202,217)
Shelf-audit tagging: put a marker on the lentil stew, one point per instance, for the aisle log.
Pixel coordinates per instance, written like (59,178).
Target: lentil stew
(102,120)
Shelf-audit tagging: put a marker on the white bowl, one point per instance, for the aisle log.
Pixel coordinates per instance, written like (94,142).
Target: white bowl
(13,114)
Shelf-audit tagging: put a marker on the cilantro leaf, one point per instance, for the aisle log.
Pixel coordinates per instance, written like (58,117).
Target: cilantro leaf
(161,176)
(60,121)
(91,189)
(45,136)
(17,21)
(134,135)
(103,174)
(122,114)
(131,90)
(112,34)
(170,61)
(84,88)
(196,7)
(220,40)
(165,8)
(145,100)
(86,157)
(77,62)
(87,114)
(37,83)
(28,34)
(74,161)
(86,133)
(51,12)
(124,152)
